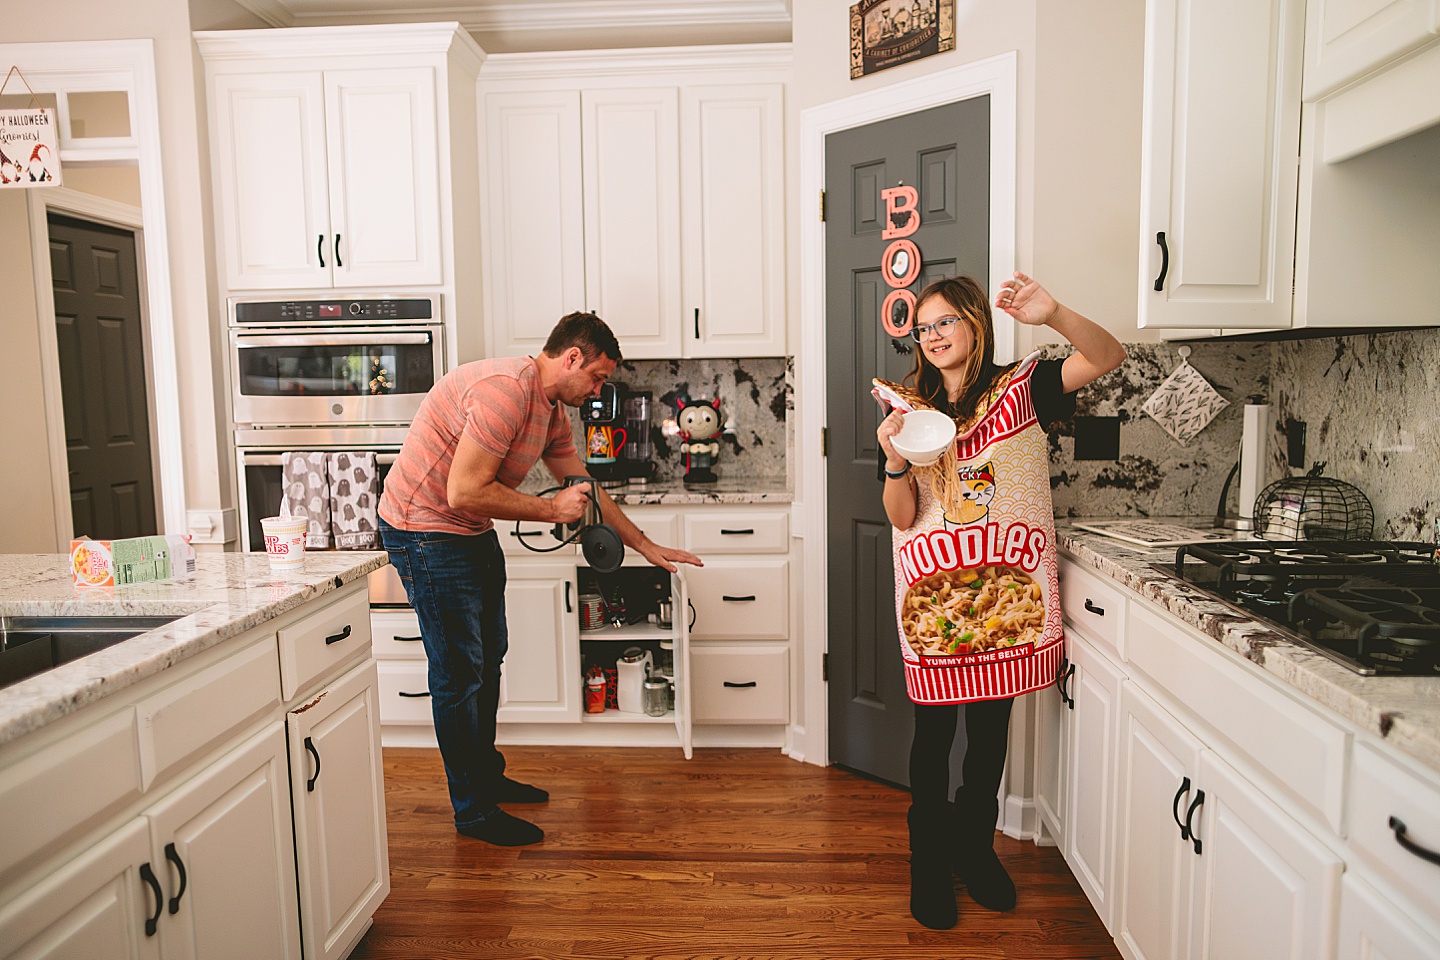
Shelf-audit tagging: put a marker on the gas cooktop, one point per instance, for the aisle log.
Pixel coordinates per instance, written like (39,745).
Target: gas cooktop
(1373,606)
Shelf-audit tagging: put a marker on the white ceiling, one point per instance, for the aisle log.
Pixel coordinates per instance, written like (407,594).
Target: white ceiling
(508,26)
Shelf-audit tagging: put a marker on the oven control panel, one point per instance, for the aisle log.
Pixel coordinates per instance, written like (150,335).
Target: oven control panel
(330,310)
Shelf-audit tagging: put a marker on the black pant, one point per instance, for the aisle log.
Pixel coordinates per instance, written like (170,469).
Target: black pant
(987,735)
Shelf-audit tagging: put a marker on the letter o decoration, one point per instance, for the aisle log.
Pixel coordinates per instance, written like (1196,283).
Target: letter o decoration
(912,263)
(893,326)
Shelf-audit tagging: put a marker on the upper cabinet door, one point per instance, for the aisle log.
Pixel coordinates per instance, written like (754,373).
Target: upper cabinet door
(535,242)
(1219,153)
(270,162)
(1346,39)
(383,177)
(732,188)
(631,150)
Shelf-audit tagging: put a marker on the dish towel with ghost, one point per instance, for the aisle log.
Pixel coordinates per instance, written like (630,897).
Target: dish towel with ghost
(307,494)
(977,590)
(353,501)
(1185,403)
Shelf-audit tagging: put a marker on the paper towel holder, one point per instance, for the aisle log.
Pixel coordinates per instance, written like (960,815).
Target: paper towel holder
(1239,520)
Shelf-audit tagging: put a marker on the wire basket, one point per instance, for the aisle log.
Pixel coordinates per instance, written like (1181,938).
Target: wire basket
(1313,507)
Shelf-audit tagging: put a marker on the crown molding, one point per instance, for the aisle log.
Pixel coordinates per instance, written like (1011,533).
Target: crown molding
(367,39)
(600,63)
(486,16)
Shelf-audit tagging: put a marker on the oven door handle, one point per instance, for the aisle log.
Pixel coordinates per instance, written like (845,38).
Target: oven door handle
(278,460)
(333,340)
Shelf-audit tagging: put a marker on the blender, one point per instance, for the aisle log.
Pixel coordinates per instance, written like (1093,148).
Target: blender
(637,455)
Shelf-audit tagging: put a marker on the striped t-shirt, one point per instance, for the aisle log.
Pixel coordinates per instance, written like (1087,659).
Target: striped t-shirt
(498,404)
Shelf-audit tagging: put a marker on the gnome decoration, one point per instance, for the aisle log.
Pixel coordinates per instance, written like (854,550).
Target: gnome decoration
(699,423)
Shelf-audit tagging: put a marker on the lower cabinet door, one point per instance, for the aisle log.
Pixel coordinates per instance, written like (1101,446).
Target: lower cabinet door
(96,906)
(740,683)
(338,797)
(541,681)
(1266,887)
(1375,927)
(1091,746)
(224,851)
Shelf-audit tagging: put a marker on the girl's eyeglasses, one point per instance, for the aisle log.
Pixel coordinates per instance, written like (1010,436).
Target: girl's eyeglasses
(941,328)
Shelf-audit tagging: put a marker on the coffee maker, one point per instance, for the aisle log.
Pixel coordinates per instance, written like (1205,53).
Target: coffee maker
(605,436)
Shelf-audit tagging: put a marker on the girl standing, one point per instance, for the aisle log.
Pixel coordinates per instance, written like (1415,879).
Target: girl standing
(975,566)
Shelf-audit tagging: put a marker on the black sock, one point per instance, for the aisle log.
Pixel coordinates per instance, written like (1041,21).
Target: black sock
(513,791)
(503,830)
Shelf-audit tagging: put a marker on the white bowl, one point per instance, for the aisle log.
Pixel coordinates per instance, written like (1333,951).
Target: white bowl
(924,436)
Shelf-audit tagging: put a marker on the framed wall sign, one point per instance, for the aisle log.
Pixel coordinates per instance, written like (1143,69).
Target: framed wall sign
(885,33)
(29,143)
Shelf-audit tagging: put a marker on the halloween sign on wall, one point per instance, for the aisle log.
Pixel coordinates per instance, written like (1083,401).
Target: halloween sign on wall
(886,33)
(29,145)
(900,264)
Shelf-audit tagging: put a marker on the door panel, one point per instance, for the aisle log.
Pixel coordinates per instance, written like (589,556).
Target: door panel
(945,153)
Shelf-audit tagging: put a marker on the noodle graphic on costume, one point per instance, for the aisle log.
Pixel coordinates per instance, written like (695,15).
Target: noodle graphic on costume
(959,612)
(964,492)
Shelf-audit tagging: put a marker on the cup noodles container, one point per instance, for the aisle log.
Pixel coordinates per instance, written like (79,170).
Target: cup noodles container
(110,563)
(285,541)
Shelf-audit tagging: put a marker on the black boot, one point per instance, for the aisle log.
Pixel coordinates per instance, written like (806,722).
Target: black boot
(932,893)
(975,861)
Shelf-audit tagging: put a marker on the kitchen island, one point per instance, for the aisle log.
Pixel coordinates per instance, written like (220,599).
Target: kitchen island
(1222,791)
(208,788)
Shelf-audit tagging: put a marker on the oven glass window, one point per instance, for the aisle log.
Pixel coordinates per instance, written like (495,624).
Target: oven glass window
(337,370)
(264,486)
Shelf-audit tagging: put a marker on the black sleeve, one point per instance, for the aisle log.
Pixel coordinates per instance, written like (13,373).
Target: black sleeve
(1047,392)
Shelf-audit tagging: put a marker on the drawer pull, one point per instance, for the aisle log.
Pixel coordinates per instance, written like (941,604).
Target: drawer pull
(1190,815)
(737,533)
(1410,845)
(737,686)
(1175,808)
(406,693)
(1098,611)
(173,856)
(152,922)
(728,599)
(339,636)
(526,533)
(1063,682)
(310,746)
(399,639)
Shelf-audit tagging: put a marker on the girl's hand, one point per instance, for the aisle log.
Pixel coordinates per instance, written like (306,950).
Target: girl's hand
(888,428)
(1026,301)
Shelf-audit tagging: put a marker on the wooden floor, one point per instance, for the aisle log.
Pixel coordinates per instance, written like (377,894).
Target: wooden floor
(736,853)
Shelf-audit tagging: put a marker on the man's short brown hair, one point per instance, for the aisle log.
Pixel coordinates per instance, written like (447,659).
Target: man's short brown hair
(586,331)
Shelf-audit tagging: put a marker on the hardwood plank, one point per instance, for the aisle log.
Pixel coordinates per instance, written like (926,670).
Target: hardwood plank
(734,854)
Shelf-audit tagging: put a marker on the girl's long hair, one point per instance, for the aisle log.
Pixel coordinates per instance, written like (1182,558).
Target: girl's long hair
(966,297)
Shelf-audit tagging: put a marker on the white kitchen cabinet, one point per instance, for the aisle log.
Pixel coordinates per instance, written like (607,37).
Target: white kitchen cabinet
(649,194)
(1090,745)
(338,791)
(1374,927)
(338,154)
(1220,136)
(1054,722)
(541,679)
(1347,39)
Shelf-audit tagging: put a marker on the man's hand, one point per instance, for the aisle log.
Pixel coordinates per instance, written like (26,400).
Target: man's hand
(666,557)
(569,503)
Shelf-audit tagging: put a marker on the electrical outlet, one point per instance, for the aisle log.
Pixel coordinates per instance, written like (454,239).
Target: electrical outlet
(1295,443)
(1097,438)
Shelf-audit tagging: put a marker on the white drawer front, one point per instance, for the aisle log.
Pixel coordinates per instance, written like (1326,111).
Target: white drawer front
(1282,739)
(318,643)
(1381,789)
(536,534)
(1091,605)
(741,684)
(395,635)
(404,692)
(661,524)
(740,600)
(713,530)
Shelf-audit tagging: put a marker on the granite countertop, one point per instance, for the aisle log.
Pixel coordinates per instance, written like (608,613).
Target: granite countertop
(228,594)
(724,490)
(1403,711)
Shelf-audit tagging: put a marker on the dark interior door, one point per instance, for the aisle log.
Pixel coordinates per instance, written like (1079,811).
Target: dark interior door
(102,379)
(944,153)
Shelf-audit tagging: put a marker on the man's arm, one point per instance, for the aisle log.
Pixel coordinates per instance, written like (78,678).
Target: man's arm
(473,488)
(631,535)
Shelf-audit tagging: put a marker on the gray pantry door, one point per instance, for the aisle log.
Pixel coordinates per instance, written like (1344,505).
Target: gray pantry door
(944,153)
(102,379)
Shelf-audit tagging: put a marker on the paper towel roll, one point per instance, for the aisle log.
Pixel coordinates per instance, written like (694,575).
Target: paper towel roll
(1253,439)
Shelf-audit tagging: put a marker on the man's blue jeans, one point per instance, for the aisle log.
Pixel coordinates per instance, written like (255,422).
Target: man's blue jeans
(457,586)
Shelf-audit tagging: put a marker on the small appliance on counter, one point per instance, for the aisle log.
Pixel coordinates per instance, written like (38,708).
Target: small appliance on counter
(637,456)
(617,435)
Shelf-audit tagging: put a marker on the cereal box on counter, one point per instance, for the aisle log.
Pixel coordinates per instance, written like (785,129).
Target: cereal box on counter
(109,563)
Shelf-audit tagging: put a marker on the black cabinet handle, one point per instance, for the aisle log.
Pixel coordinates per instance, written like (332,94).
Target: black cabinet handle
(737,686)
(736,533)
(320,248)
(694,615)
(1063,682)
(422,693)
(1190,815)
(1164,261)
(310,784)
(1175,808)
(697,323)
(526,533)
(737,599)
(339,636)
(1098,611)
(173,856)
(338,262)
(400,639)
(567,597)
(152,922)
(1410,845)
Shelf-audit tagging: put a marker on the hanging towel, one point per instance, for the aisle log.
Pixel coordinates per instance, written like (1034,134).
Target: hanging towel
(1185,403)
(307,494)
(352,501)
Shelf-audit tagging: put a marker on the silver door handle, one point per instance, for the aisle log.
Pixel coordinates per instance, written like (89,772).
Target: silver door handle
(334,340)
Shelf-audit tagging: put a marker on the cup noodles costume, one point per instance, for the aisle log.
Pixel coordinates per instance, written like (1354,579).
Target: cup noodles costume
(976,575)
